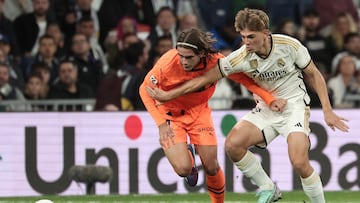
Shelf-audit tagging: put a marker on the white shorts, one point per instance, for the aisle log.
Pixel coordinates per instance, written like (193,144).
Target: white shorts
(295,118)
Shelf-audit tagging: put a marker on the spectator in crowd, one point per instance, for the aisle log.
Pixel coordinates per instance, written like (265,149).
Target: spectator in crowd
(231,38)
(136,56)
(314,98)
(109,14)
(72,17)
(31,26)
(280,9)
(68,86)
(16,74)
(355,89)
(342,25)
(341,83)
(87,8)
(60,8)
(46,54)
(86,26)
(53,29)
(149,10)
(188,21)
(126,24)
(8,91)
(7,29)
(89,69)
(351,47)
(328,11)
(190,10)
(236,5)
(115,55)
(216,16)
(286,26)
(112,100)
(41,68)
(214,13)
(162,45)
(15,8)
(321,49)
(166,24)
(123,82)
(33,87)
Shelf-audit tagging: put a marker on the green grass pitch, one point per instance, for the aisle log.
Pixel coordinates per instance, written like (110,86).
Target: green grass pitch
(295,196)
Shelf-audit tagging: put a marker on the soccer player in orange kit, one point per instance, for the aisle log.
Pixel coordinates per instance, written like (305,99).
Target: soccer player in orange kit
(189,116)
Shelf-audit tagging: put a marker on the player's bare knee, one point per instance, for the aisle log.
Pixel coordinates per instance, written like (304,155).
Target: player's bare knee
(231,147)
(299,164)
(182,170)
(211,170)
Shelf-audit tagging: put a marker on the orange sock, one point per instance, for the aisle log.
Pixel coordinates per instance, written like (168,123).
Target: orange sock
(216,187)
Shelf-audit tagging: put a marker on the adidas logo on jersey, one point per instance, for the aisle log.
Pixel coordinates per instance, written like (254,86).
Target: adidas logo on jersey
(298,125)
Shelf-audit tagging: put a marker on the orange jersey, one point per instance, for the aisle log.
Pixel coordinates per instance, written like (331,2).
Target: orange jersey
(168,73)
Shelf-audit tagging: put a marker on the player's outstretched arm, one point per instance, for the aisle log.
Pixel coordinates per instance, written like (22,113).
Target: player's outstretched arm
(278,105)
(275,104)
(317,81)
(192,85)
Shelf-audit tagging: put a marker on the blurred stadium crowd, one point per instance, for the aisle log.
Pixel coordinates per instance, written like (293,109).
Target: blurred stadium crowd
(100,50)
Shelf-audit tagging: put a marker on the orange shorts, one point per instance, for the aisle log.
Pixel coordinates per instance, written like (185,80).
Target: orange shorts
(195,126)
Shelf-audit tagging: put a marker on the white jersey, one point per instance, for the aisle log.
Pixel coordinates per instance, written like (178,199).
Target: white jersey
(280,73)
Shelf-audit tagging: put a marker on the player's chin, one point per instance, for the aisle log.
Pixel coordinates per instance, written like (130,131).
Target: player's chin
(248,49)
(187,68)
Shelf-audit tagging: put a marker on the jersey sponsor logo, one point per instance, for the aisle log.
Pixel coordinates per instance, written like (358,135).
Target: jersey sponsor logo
(206,129)
(254,64)
(153,80)
(269,76)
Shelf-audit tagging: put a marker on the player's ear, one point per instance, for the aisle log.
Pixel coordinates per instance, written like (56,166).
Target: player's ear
(201,54)
(266,32)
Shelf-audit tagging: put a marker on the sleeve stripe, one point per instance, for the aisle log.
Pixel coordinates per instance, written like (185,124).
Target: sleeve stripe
(235,61)
(303,68)
(222,74)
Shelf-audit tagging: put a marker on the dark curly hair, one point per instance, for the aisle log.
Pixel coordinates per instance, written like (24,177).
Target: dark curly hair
(197,40)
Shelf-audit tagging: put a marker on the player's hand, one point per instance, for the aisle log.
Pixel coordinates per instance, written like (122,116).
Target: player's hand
(278,105)
(158,94)
(334,121)
(166,135)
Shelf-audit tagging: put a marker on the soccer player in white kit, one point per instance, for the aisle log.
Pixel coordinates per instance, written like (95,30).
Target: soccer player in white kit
(276,63)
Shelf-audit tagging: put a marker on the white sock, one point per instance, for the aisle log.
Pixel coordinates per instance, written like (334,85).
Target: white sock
(313,188)
(251,168)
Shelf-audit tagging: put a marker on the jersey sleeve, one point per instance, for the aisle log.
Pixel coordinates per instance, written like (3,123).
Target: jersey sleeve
(252,86)
(302,56)
(151,80)
(231,63)
(225,67)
